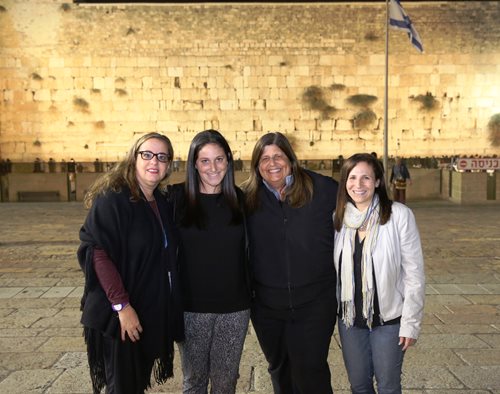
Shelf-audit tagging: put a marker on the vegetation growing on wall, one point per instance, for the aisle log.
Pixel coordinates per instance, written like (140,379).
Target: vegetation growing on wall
(427,101)
(371,36)
(365,116)
(337,86)
(361,100)
(81,104)
(100,124)
(494,129)
(314,99)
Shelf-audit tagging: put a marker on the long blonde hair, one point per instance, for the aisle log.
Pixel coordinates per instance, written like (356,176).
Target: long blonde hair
(300,192)
(124,172)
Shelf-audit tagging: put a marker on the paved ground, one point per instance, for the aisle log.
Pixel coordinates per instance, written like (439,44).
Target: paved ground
(41,347)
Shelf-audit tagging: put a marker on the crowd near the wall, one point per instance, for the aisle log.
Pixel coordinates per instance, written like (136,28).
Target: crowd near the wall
(334,164)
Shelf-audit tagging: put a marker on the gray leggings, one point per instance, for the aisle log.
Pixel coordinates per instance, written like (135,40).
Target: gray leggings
(212,350)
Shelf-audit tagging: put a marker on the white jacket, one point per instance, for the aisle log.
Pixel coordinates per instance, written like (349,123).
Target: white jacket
(398,265)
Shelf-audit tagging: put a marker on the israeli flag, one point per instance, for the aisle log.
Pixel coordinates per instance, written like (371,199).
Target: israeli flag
(398,19)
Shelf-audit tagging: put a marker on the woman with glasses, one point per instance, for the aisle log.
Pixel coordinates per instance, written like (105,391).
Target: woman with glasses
(381,286)
(131,304)
(212,264)
(291,246)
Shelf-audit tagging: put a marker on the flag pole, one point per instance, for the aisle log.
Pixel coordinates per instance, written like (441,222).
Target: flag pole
(386,144)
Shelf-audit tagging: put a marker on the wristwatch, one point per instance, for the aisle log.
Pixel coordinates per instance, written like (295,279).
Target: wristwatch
(118,307)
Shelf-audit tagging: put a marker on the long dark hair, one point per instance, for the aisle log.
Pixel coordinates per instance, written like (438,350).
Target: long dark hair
(124,173)
(381,190)
(194,212)
(300,192)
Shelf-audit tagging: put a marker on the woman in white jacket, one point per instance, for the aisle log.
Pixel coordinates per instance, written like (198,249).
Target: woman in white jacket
(381,282)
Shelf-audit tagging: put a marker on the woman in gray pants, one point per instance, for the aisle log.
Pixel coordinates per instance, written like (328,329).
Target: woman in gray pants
(212,264)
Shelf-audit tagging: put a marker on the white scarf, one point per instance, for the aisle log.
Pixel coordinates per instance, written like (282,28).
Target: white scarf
(354,219)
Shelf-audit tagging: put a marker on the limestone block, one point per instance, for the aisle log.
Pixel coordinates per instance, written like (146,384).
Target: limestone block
(56,62)
(194,105)
(253,136)
(273,105)
(8,95)
(245,104)
(211,105)
(276,124)
(326,125)
(167,126)
(42,95)
(327,60)
(227,93)
(369,135)
(148,62)
(299,71)
(259,104)
(156,94)
(175,71)
(305,125)
(275,59)
(99,83)
(343,125)
(448,79)
(376,60)
(231,121)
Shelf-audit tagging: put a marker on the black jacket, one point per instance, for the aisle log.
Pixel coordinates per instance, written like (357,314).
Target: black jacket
(291,249)
(131,235)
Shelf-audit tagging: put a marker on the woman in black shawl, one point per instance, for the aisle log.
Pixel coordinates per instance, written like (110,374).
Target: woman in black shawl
(131,308)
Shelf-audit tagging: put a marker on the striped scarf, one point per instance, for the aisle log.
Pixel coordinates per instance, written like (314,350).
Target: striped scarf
(354,219)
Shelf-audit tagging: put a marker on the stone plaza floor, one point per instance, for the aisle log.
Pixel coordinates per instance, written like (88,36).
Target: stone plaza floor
(42,349)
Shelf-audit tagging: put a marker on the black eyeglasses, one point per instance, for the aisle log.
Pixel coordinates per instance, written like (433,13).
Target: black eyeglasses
(148,155)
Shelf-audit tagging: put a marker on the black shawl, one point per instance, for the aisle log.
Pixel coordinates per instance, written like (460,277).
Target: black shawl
(131,234)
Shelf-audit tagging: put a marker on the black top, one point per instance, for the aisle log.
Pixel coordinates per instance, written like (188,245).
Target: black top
(291,249)
(359,320)
(212,260)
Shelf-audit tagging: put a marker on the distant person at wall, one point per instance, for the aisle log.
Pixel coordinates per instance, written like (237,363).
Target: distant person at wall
(238,164)
(374,154)
(210,217)
(71,166)
(291,246)
(131,303)
(400,179)
(176,163)
(3,167)
(381,283)
(37,165)
(98,166)
(52,165)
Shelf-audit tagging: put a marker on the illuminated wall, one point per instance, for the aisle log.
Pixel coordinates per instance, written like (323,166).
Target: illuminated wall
(81,81)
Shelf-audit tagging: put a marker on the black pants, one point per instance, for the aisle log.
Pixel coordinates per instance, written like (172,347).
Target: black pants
(296,343)
(126,371)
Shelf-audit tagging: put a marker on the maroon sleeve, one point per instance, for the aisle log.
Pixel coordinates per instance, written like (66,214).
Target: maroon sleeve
(109,278)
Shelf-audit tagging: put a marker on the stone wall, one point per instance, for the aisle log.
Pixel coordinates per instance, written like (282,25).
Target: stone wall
(82,81)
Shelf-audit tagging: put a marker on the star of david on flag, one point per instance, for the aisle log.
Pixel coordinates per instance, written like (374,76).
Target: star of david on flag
(398,19)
